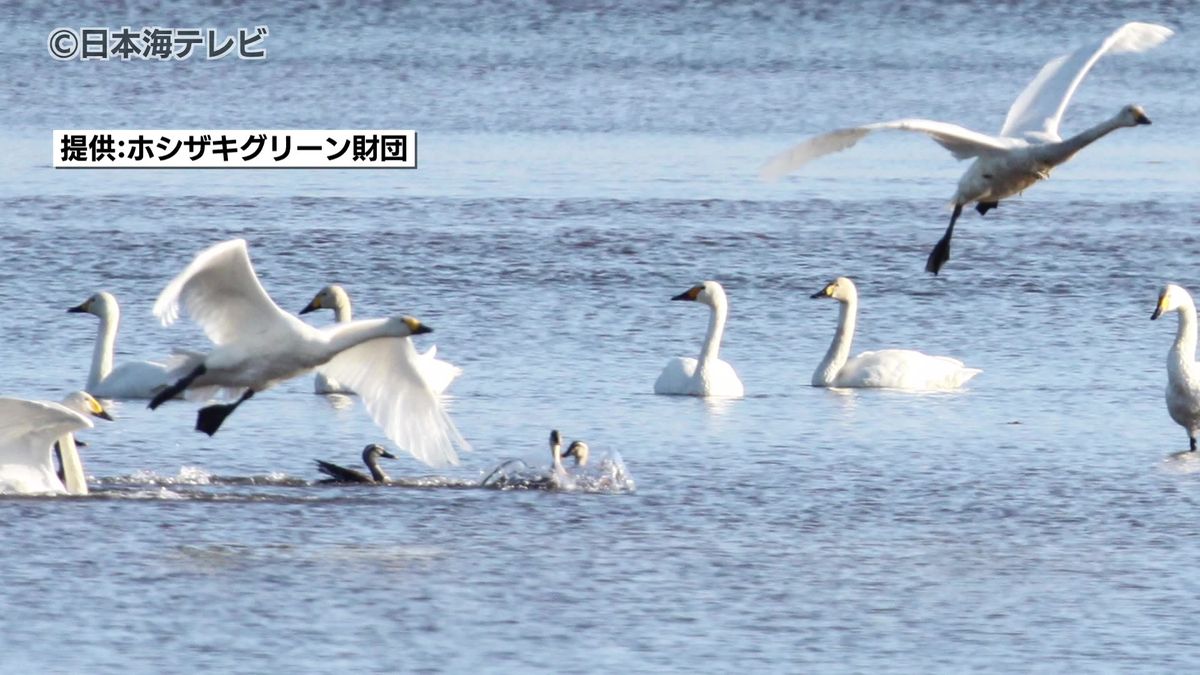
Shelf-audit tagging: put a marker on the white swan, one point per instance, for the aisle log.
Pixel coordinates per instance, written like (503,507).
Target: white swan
(130,380)
(29,434)
(708,375)
(887,368)
(1183,374)
(437,373)
(1028,146)
(257,345)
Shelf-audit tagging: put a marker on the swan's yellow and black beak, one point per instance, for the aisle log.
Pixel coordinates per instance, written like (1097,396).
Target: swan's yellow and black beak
(312,306)
(1162,306)
(416,327)
(690,294)
(81,308)
(1140,118)
(97,410)
(826,292)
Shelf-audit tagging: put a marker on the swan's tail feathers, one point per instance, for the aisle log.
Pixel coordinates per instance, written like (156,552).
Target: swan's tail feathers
(965,375)
(941,251)
(818,146)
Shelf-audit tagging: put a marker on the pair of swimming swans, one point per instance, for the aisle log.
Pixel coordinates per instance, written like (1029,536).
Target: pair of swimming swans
(257,345)
(557,478)
(33,432)
(1028,146)
(889,368)
(437,373)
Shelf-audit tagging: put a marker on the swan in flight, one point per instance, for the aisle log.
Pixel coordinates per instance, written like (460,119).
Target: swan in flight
(257,344)
(709,375)
(370,457)
(134,379)
(1183,374)
(887,368)
(32,431)
(1028,145)
(437,373)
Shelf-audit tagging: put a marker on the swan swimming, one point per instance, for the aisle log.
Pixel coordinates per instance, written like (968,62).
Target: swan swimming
(887,368)
(708,375)
(579,450)
(130,380)
(257,344)
(370,457)
(31,430)
(437,373)
(1183,374)
(1028,145)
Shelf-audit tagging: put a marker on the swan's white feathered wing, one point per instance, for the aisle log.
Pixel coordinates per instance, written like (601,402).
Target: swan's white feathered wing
(385,375)
(904,369)
(135,379)
(960,141)
(1037,112)
(221,292)
(28,429)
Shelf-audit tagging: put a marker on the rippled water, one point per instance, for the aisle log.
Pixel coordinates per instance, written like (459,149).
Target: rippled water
(580,164)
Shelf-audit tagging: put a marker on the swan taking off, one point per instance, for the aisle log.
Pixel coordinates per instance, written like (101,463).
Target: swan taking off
(1183,375)
(708,375)
(132,380)
(29,431)
(370,457)
(1028,145)
(437,373)
(887,368)
(257,345)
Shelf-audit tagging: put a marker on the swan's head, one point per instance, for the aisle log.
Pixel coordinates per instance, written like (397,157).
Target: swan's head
(579,450)
(331,297)
(403,326)
(707,292)
(1171,298)
(555,443)
(840,289)
(1132,115)
(374,451)
(84,404)
(102,304)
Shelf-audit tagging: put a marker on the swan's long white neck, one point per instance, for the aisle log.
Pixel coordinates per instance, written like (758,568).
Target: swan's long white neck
(341,308)
(102,353)
(839,349)
(343,336)
(73,477)
(716,328)
(1183,351)
(1061,152)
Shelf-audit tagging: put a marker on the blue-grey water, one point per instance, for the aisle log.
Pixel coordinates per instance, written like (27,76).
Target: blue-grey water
(580,163)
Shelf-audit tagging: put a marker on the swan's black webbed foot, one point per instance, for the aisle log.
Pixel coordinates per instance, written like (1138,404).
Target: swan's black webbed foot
(941,251)
(984,207)
(176,389)
(1192,443)
(209,418)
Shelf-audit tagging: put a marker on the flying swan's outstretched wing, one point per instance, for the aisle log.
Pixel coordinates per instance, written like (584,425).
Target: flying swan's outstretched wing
(27,431)
(221,292)
(1037,112)
(385,374)
(960,141)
